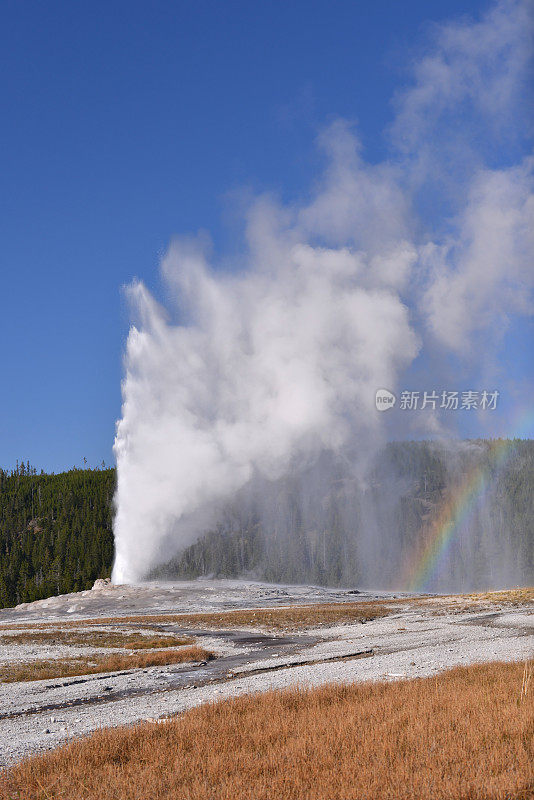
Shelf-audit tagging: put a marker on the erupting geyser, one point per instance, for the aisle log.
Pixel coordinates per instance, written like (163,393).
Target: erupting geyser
(277,364)
(252,371)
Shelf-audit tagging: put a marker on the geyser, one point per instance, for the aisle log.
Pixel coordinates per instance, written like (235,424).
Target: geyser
(253,371)
(274,366)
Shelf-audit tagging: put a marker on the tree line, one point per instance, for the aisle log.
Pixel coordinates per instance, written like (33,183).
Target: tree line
(55,531)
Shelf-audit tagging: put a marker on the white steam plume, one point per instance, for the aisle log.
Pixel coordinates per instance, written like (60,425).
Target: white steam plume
(277,362)
(249,372)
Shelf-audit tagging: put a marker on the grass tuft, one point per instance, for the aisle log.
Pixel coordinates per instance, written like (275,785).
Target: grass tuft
(71,667)
(285,618)
(94,638)
(512,597)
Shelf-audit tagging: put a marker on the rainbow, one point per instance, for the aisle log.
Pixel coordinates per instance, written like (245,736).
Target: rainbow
(424,564)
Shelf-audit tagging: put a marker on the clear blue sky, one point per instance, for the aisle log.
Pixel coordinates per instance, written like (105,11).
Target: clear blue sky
(124,123)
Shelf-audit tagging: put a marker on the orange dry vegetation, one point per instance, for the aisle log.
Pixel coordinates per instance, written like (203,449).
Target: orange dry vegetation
(91,665)
(94,638)
(465,734)
(505,597)
(287,617)
(458,603)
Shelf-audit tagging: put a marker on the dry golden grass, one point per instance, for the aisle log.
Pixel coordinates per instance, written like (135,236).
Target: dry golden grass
(464,735)
(285,618)
(95,638)
(290,617)
(477,601)
(503,597)
(512,597)
(71,667)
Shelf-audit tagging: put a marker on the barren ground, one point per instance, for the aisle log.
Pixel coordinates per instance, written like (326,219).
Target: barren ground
(403,637)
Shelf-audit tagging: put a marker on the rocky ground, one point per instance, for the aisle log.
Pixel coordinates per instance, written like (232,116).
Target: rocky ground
(418,637)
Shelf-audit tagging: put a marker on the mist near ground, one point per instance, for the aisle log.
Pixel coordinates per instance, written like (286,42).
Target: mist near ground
(322,526)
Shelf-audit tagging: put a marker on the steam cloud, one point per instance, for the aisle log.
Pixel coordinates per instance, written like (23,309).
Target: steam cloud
(248,372)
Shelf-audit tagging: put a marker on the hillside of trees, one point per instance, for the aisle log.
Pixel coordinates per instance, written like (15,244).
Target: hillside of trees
(322,525)
(55,531)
